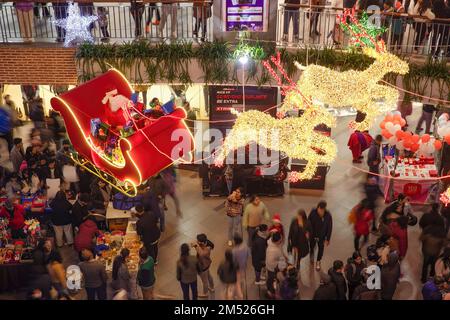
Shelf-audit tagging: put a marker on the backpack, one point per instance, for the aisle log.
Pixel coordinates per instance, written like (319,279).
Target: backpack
(5,121)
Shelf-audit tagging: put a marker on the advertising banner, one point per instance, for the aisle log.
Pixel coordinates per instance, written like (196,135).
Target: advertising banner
(245,15)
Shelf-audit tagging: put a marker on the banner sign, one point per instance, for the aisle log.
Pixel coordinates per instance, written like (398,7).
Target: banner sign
(245,15)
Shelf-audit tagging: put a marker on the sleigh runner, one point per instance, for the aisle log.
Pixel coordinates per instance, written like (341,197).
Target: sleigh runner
(150,149)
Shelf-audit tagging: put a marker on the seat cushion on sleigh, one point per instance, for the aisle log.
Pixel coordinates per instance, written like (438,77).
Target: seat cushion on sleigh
(146,152)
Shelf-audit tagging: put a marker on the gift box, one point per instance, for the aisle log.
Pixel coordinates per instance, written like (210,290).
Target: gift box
(433,173)
(99,129)
(168,107)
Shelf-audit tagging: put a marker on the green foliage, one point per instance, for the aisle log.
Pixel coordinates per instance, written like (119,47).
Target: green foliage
(170,63)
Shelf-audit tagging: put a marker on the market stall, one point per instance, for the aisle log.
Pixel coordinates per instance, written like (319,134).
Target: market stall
(413,177)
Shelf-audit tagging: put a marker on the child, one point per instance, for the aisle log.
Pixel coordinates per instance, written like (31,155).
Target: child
(277,226)
(102,13)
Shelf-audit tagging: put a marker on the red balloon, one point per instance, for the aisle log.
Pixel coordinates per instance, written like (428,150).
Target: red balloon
(383,125)
(447,138)
(397,117)
(399,134)
(396,121)
(386,134)
(425,138)
(415,138)
(437,145)
(415,147)
(389,118)
(402,122)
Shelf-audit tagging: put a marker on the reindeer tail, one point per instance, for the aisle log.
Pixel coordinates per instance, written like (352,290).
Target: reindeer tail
(299,66)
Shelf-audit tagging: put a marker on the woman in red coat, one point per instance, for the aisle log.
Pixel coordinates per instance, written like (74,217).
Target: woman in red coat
(15,213)
(364,216)
(85,237)
(399,230)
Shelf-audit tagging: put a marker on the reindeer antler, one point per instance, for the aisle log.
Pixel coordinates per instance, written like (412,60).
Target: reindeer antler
(363,32)
(285,89)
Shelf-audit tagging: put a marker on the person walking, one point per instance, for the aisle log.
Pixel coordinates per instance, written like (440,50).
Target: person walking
(146,274)
(241,253)
(321,227)
(258,252)
(62,219)
(57,273)
(255,214)
(234,209)
(427,116)
(203,246)
(353,272)
(423,14)
(298,239)
(148,230)
(94,275)
(274,254)
(373,192)
(432,217)
(390,276)
(168,175)
(17,155)
(363,217)
(121,278)
(433,239)
(187,270)
(337,277)
(374,157)
(227,273)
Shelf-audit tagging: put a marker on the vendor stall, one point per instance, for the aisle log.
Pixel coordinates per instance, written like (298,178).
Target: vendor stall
(413,178)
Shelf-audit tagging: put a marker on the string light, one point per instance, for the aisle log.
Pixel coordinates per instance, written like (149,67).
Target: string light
(76,25)
(296,137)
(445,197)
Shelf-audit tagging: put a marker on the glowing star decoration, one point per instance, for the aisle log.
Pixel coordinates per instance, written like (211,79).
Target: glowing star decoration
(76,25)
(295,137)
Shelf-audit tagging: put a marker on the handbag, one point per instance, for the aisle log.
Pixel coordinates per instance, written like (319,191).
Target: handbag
(412,220)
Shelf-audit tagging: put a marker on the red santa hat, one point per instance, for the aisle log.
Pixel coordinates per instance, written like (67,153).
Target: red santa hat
(276,218)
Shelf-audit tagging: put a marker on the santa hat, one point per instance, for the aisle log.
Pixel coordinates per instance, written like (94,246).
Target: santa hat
(276,218)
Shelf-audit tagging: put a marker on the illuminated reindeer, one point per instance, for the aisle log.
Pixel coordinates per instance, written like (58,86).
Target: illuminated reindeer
(359,89)
(295,137)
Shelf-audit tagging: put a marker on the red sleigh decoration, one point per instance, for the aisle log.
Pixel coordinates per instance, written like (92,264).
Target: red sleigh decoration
(145,153)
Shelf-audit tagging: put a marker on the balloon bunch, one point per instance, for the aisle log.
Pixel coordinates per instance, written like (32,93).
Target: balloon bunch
(392,130)
(443,129)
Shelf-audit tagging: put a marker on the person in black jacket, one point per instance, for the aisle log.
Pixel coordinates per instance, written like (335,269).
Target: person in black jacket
(353,269)
(321,227)
(299,233)
(49,171)
(100,195)
(427,116)
(337,277)
(432,218)
(80,210)
(62,219)
(373,192)
(390,275)
(153,203)
(148,230)
(326,290)
(86,178)
(258,250)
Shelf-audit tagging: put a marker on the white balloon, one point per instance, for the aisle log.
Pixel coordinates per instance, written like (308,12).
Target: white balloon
(392,140)
(396,112)
(440,131)
(389,127)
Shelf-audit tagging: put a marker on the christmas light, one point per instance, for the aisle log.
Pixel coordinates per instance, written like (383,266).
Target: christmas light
(76,25)
(358,89)
(295,137)
(445,197)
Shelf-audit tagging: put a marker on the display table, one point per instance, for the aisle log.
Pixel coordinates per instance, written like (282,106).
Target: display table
(414,178)
(117,219)
(13,276)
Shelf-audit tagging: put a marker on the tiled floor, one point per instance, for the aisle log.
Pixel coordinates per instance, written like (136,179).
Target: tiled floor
(201,215)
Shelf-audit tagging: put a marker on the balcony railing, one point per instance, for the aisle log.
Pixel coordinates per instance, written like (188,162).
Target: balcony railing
(117,22)
(319,27)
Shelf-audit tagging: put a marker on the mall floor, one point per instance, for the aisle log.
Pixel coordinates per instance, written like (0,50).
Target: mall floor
(206,215)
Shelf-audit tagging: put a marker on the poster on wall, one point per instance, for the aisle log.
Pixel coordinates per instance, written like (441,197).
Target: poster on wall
(245,15)
(224,98)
